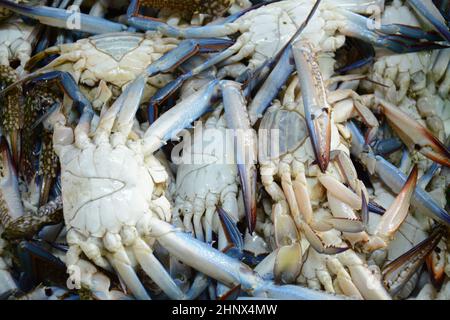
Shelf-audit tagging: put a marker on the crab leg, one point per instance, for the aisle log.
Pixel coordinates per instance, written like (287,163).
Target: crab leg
(65,81)
(413,134)
(224,29)
(64,19)
(428,11)
(10,201)
(225,269)
(245,139)
(180,117)
(11,114)
(394,178)
(400,42)
(272,85)
(317,109)
(185,50)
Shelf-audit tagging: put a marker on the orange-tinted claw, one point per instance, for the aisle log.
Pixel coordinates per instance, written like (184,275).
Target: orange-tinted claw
(317,243)
(397,273)
(321,138)
(414,135)
(397,212)
(436,263)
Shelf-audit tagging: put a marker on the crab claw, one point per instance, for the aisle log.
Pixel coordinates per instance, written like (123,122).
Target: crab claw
(397,273)
(414,134)
(317,110)
(65,19)
(395,214)
(245,140)
(317,243)
(436,262)
(397,38)
(232,233)
(427,10)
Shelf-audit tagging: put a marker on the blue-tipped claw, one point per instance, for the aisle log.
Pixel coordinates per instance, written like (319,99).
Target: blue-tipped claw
(427,10)
(397,38)
(376,208)
(185,50)
(245,140)
(65,82)
(234,236)
(180,116)
(317,110)
(175,58)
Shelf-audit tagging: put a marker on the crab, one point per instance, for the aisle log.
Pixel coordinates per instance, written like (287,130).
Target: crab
(116,229)
(194,202)
(101,69)
(260,28)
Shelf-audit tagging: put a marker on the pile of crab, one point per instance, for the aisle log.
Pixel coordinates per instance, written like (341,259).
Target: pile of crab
(224,149)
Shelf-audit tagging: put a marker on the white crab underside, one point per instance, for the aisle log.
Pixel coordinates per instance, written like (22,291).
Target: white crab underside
(104,188)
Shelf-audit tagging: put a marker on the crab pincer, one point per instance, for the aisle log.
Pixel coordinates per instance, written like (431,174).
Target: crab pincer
(414,134)
(317,109)
(397,273)
(395,214)
(394,178)
(245,142)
